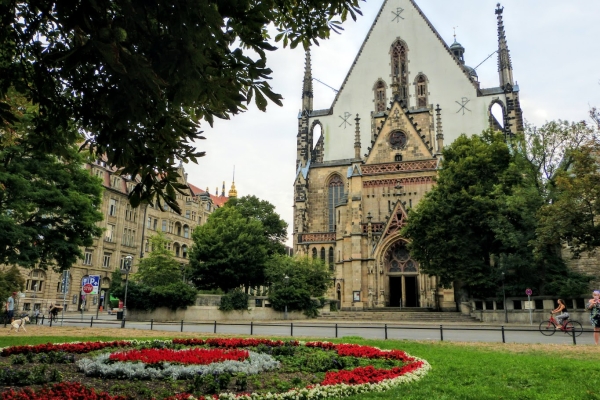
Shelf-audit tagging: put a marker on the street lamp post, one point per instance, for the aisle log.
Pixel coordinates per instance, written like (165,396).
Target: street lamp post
(504,299)
(127,265)
(286,279)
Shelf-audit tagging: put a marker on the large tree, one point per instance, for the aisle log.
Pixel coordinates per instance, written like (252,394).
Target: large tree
(159,266)
(477,226)
(232,248)
(158,281)
(138,76)
(49,206)
(275,229)
(574,214)
(307,279)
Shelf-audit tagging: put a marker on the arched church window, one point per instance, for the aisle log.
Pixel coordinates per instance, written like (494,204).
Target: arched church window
(397,259)
(400,68)
(314,253)
(331,257)
(380,98)
(334,196)
(421,83)
(323,254)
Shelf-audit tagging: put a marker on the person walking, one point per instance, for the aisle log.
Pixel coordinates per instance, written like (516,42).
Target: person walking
(10,307)
(594,307)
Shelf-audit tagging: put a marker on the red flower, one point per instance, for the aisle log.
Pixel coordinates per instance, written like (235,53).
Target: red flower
(356,350)
(232,343)
(60,391)
(190,356)
(79,348)
(368,374)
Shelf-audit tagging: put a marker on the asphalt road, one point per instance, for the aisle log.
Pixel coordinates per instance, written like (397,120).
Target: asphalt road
(414,331)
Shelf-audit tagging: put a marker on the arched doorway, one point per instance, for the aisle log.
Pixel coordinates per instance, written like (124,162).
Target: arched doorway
(403,276)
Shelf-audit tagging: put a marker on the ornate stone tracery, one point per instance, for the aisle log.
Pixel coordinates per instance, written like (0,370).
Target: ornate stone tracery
(402,181)
(377,169)
(397,259)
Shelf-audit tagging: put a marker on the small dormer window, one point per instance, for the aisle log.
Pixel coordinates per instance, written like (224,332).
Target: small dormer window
(398,157)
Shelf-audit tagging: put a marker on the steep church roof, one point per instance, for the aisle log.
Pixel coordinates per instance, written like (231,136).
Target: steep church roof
(442,42)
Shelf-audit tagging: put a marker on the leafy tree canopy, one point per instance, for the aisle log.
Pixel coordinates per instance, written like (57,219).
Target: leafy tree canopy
(229,251)
(574,214)
(11,281)
(275,229)
(307,278)
(477,226)
(138,76)
(159,266)
(158,281)
(49,207)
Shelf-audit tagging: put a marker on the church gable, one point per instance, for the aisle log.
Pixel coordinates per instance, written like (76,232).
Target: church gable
(400,138)
(396,222)
(403,50)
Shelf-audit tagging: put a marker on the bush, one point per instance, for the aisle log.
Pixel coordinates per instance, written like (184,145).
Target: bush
(234,300)
(143,297)
(174,295)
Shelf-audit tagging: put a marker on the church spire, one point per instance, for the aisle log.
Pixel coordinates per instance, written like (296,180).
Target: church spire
(232,191)
(223,190)
(357,138)
(307,88)
(504,63)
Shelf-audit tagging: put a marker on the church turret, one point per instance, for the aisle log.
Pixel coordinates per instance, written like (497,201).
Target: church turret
(223,190)
(307,88)
(504,64)
(304,138)
(458,50)
(357,138)
(439,132)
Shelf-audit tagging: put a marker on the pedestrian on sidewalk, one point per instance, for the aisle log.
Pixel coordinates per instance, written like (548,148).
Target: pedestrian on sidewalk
(10,307)
(594,307)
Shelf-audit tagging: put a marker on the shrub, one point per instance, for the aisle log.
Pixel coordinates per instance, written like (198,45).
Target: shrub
(143,297)
(234,300)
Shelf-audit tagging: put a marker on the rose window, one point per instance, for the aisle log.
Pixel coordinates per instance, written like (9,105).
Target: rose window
(397,259)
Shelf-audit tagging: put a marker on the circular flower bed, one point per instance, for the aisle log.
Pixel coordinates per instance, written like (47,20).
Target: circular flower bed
(245,369)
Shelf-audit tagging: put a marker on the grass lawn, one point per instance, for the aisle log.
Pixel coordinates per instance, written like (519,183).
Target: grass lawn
(460,370)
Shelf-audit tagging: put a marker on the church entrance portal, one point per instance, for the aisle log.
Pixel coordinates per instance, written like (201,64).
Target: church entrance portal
(403,278)
(395,291)
(411,291)
(411,288)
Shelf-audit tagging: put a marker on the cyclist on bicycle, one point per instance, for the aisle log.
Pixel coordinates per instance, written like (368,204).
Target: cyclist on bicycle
(53,311)
(562,310)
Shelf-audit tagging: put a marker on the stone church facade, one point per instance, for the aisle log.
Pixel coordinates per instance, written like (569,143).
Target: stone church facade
(406,94)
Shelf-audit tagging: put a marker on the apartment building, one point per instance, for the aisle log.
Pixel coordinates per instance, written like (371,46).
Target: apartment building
(126,233)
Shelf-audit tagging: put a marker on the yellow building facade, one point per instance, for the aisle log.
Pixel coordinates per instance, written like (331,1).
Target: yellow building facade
(126,233)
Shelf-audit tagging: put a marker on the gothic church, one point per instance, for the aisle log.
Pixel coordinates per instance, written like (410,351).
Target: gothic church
(353,187)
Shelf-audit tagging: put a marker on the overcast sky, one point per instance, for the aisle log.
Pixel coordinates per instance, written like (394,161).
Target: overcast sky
(555,49)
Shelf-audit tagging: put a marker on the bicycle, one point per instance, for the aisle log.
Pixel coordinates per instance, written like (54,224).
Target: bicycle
(53,317)
(548,328)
